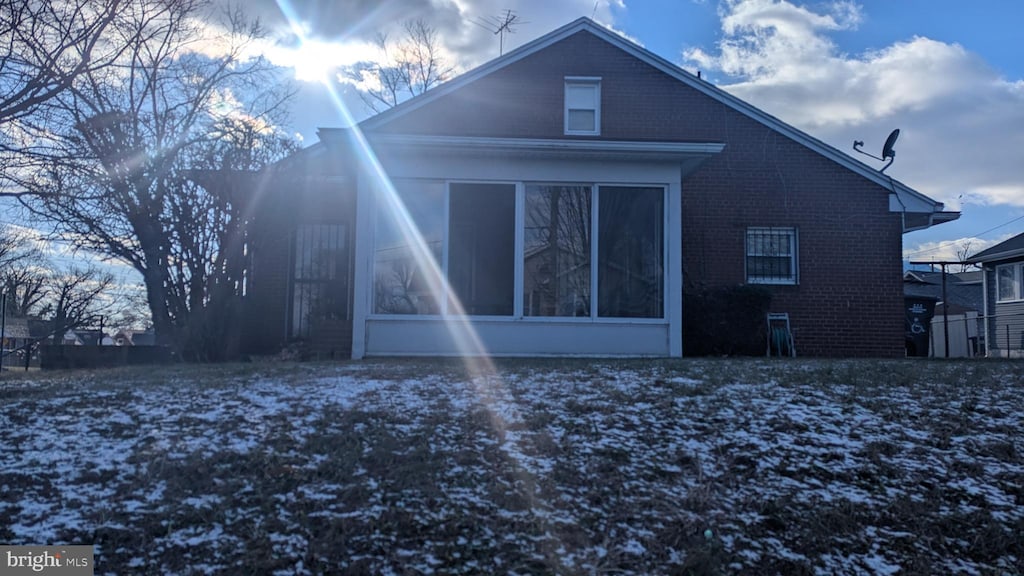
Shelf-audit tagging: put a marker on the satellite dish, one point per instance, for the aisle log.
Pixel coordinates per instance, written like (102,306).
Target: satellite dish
(887,151)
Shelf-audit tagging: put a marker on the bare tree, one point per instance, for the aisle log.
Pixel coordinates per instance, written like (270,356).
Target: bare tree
(120,179)
(45,45)
(75,298)
(67,297)
(22,271)
(962,253)
(25,287)
(409,67)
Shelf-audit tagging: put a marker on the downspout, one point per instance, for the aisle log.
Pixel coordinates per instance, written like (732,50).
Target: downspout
(903,212)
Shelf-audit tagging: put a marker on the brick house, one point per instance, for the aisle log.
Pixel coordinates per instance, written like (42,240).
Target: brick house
(1002,274)
(567,193)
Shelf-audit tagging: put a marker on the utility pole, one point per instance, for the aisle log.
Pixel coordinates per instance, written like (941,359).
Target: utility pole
(945,302)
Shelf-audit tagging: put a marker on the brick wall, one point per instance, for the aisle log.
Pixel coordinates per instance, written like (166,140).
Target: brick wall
(305,192)
(849,299)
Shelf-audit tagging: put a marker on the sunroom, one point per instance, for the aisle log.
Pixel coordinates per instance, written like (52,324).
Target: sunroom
(468,246)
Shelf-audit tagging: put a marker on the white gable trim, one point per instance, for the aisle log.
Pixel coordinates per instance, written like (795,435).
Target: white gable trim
(910,199)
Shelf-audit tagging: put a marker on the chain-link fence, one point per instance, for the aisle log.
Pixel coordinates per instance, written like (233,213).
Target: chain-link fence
(22,357)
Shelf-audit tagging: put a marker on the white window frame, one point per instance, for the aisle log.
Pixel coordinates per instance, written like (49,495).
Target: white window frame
(1018,282)
(583,81)
(794,245)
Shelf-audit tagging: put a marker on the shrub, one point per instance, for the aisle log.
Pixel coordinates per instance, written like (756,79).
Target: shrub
(728,320)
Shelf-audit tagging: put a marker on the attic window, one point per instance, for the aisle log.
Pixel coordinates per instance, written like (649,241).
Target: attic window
(582,106)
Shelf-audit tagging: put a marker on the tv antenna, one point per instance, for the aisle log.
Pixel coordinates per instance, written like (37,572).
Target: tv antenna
(887,152)
(499,26)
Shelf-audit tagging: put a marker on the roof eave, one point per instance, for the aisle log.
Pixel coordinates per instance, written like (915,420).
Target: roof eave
(995,257)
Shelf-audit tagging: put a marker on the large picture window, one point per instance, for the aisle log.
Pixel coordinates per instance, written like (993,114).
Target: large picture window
(630,256)
(1008,283)
(771,256)
(481,247)
(404,281)
(556,251)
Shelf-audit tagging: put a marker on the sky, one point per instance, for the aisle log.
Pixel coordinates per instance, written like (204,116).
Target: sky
(948,74)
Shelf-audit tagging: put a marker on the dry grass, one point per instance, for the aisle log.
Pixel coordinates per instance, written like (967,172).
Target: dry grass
(568,467)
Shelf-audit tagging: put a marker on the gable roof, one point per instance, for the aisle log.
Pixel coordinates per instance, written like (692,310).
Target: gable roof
(931,277)
(1003,251)
(909,200)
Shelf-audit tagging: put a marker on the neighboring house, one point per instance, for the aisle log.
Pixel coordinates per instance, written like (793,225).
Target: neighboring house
(91,337)
(16,333)
(966,301)
(962,288)
(1003,289)
(567,192)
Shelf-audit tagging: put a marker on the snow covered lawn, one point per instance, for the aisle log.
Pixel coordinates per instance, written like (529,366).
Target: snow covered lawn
(574,467)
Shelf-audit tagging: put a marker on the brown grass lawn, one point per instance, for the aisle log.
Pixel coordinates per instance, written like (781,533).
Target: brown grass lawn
(539,467)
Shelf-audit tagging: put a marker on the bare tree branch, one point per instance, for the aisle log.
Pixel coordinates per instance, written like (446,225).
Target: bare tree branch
(408,67)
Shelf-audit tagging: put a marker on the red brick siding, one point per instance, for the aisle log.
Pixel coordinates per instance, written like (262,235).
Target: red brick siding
(849,299)
(289,199)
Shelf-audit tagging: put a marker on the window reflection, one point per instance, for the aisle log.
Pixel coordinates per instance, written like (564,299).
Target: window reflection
(401,283)
(556,252)
(630,257)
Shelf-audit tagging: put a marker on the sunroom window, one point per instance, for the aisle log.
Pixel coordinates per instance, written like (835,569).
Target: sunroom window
(481,248)
(534,250)
(631,244)
(406,267)
(556,251)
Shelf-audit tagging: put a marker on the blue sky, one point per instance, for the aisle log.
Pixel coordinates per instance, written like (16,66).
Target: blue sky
(948,74)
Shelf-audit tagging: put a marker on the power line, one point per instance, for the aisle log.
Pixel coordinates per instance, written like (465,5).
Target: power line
(942,245)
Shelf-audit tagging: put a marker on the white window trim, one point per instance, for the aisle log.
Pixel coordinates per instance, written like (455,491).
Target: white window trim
(594,81)
(794,257)
(1018,283)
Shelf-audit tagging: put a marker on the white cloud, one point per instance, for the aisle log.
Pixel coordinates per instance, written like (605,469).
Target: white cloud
(962,124)
(950,250)
(339,34)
